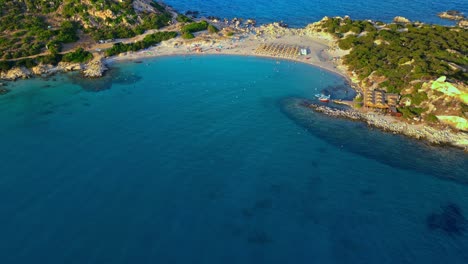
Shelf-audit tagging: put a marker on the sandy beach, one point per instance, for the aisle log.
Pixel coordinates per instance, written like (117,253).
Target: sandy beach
(321,48)
(322,52)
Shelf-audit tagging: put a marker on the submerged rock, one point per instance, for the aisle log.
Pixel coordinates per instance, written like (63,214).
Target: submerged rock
(450,220)
(339,127)
(4,91)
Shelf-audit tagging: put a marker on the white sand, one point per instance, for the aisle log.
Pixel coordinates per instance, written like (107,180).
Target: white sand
(244,44)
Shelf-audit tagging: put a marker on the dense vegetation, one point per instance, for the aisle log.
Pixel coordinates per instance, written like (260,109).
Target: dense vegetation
(29,27)
(212,29)
(79,55)
(402,53)
(404,56)
(148,41)
(194,27)
(183,19)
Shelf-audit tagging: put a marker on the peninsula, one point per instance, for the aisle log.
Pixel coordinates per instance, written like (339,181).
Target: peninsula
(409,75)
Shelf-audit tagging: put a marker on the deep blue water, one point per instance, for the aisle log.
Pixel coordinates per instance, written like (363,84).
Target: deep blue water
(209,160)
(298,13)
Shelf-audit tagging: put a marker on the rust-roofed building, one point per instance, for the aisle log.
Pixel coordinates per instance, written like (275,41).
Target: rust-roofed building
(380,99)
(392,99)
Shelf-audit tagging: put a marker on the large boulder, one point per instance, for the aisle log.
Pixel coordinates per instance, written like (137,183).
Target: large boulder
(400,19)
(16,73)
(43,69)
(452,15)
(463,23)
(95,68)
(69,66)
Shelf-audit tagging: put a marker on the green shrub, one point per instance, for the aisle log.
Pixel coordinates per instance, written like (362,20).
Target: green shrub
(79,55)
(347,43)
(418,98)
(4,66)
(212,29)
(148,41)
(187,35)
(431,118)
(195,27)
(183,19)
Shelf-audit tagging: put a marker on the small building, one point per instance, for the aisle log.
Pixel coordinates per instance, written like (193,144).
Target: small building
(392,99)
(380,99)
(304,52)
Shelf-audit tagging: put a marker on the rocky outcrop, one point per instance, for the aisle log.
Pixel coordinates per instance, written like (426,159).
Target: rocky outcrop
(452,15)
(144,6)
(16,73)
(95,68)
(433,135)
(400,19)
(463,23)
(69,66)
(44,69)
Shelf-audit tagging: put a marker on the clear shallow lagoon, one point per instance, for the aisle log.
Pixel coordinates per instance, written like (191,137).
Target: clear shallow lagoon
(196,160)
(299,13)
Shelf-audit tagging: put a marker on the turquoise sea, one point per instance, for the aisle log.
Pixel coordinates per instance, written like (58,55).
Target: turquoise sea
(214,160)
(298,13)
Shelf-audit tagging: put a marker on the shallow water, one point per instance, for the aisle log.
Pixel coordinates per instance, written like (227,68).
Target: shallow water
(298,13)
(181,162)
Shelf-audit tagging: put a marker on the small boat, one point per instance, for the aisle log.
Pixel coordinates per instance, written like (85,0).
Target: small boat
(323,98)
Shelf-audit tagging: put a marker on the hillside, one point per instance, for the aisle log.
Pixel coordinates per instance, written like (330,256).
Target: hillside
(412,60)
(30,27)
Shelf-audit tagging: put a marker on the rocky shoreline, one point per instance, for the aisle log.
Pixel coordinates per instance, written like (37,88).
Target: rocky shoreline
(93,69)
(451,15)
(432,135)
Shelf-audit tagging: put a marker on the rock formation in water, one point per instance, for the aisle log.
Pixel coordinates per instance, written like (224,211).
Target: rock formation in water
(95,68)
(433,135)
(452,15)
(44,69)
(400,19)
(450,220)
(16,73)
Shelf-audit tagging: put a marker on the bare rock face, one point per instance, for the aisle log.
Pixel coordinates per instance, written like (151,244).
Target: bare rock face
(400,19)
(95,68)
(463,23)
(452,15)
(69,66)
(43,69)
(144,6)
(16,73)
